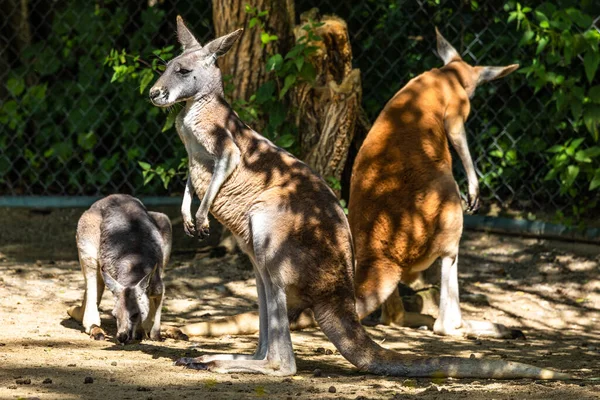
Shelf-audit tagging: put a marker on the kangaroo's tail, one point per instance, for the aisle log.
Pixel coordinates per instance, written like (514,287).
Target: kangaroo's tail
(339,322)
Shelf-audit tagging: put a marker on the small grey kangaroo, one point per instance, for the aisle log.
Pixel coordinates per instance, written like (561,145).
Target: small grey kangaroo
(290,224)
(125,247)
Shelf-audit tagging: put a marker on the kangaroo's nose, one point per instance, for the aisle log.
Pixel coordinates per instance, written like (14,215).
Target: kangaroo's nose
(122,337)
(154,93)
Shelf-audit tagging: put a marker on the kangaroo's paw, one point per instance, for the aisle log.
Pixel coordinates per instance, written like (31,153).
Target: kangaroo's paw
(174,333)
(97,333)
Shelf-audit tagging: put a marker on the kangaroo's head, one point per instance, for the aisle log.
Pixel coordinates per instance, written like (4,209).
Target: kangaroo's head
(194,73)
(132,305)
(471,76)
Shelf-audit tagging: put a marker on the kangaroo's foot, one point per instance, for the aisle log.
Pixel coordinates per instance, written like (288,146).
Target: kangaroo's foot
(471,328)
(266,367)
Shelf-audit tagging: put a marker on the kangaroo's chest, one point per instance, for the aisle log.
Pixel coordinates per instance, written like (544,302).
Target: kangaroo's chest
(200,161)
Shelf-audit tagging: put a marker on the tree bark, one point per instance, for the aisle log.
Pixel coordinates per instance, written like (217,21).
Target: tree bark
(14,37)
(328,111)
(246,61)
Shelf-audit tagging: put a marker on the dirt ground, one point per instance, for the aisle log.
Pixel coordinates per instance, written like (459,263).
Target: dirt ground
(549,289)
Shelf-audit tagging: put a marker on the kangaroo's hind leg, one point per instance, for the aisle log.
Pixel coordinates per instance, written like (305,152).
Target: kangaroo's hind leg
(275,355)
(88,245)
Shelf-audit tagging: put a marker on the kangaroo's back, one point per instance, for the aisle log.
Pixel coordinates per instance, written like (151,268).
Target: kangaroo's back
(130,239)
(403,174)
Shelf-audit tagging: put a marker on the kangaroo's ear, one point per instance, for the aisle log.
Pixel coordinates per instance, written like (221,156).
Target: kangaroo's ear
(145,282)
(112,285)
(445,50)
(221,45)
(487,74)
(185,36)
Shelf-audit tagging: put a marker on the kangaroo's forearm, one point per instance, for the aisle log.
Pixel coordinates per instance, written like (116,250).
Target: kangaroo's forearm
(188,196)
(458,138)
(223,168)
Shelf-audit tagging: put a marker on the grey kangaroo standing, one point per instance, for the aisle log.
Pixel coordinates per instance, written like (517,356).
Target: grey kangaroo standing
(288,222)
(126,247)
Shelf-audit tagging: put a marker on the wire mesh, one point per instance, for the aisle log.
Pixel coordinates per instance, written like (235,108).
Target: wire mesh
(67,130)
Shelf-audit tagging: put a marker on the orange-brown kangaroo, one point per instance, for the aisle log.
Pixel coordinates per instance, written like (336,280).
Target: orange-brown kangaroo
(405,209)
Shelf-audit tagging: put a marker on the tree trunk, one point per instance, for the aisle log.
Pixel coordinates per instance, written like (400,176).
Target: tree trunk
(328,111)
(15,36)
(246,61)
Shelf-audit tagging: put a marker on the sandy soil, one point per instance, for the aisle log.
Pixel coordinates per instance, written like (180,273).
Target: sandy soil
(549,289)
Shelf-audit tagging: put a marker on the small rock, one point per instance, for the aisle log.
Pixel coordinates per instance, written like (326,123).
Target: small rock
(591,348)
(328,352)
(25,381)
(88,379)
(12,386)
(114,363)
(287,380)
(478,342)
(317,373)
(38,263)
(332,389)
(71,365)
(47,381)
(143,389)
(235,377)
(472,356)
(423,328)
(112,379)
(320,350)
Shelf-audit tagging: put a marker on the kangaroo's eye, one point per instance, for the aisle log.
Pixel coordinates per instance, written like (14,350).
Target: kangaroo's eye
(183,71)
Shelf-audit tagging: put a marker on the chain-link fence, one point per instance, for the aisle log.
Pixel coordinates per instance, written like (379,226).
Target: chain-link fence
(67,130)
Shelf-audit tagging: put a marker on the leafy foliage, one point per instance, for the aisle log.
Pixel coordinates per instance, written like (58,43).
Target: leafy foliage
(564,49)
(268,104)
(63,116)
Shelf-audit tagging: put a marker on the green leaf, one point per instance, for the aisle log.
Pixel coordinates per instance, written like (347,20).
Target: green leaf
(541,44)
(170,121)
(576,108)
(146,79)
(308,72)
(582,20)
(15,86)
(590,63)
(289,81)
(591,119)
(527,36)
(594,93)
(572,173)
(581,157)
(540,16)
(595,183)
(592,152)
(286,141)
(274,62)
(145,166)
(87,141)
(557,148)
(277,115)
(266,38)
(265,92)
(299,63)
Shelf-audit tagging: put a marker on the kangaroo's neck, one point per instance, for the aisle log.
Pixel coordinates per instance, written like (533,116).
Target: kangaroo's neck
(208,112)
